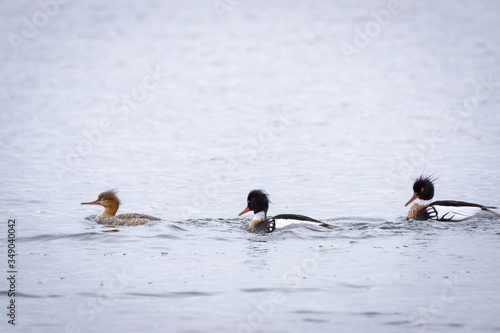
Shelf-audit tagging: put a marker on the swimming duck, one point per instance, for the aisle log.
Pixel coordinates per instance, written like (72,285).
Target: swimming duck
(445,210)
(111,203)
(258,202)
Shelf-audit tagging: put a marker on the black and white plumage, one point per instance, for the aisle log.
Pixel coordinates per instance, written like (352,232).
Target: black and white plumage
(258,202)
(445,210)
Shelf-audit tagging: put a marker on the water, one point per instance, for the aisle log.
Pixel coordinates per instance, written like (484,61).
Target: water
(185,111)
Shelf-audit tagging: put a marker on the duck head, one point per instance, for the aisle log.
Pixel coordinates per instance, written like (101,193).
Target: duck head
(109,201)
(423,189)
(258,202)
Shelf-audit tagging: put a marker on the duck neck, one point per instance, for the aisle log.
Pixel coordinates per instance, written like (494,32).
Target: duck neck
(109,210)
(258,218)
(421,202)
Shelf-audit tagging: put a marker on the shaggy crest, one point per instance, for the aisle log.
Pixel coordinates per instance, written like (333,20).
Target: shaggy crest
(424,187)
(109,195)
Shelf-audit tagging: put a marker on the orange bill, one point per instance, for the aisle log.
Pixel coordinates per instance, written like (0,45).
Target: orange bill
(91,203)
(245,211)
(415,197)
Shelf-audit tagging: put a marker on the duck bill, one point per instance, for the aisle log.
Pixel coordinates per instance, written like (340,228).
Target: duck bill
(245,211)
(415,197)
(91,203)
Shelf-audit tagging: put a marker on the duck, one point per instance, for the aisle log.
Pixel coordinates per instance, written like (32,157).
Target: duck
(258,202)
(109,200)
(445,210)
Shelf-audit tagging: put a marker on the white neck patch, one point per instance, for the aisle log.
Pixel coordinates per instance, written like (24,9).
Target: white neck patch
(421,202)
(259,217)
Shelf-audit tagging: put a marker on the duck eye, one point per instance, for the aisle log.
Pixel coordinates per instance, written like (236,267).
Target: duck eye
(422,189)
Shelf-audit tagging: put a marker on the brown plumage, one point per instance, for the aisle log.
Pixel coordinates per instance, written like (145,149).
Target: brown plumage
(111,203)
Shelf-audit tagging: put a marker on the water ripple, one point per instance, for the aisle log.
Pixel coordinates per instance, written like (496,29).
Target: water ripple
(176,294)
(21,294)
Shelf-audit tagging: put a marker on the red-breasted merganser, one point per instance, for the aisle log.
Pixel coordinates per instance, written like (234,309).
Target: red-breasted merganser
(258,202)
(454,211)
(111,203)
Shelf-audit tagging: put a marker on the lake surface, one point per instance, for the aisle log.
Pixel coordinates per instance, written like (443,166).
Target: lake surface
(332,107)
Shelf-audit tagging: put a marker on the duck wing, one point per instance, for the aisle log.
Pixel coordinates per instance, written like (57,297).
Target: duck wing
(455,210)
(285,221)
